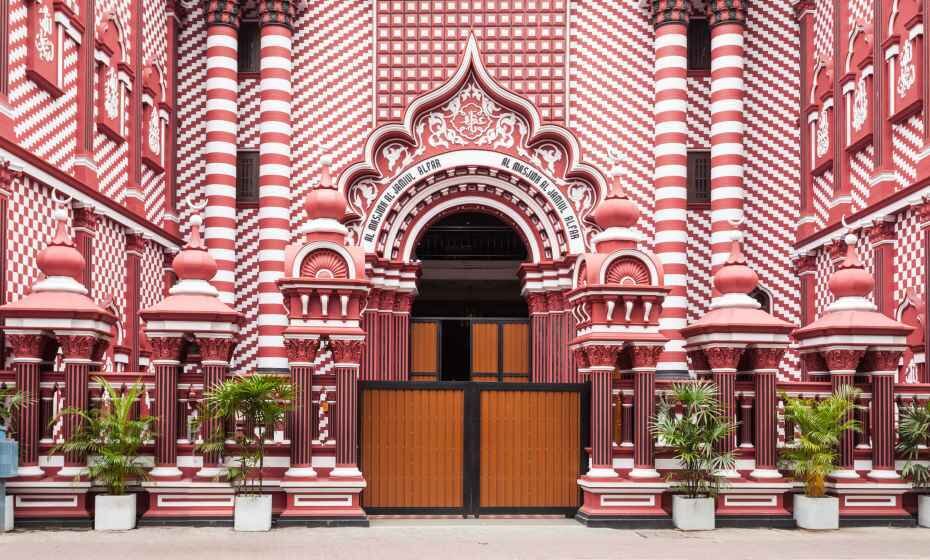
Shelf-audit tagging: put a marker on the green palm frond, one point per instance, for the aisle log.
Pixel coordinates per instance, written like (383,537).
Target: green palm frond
(10,403)
(914,437)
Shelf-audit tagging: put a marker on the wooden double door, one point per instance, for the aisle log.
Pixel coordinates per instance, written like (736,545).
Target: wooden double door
(471,448)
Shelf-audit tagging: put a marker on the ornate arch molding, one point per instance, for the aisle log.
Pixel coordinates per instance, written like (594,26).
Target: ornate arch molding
(472,122)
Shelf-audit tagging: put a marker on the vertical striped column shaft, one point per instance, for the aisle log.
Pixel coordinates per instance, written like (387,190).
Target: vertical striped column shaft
(746,421)
(644,408)
(570,373)
(601,424)
(864,437)
(27,428)
(766,430)
(301,428)
(135,246)
(166,410)
(220,155)
(402,341)
(77,352)
(670,179)
(369,367)
(537,308)
(845,459)
(346,410)
(274,197)
(727,91)
(626,421)
(726,386)
(884,372)
(215,354)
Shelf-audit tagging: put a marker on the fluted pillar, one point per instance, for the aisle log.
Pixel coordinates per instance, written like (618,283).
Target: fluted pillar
(883,366)
(536,302)
(347,355)
(220,150)
(78,354)
(166,354)
(27,359)
(842,364)
(301,354)
(670,18)
(723,361)
(727,91)
(274,196)
(598,362)
(214,363)
(645,359)
(764,379)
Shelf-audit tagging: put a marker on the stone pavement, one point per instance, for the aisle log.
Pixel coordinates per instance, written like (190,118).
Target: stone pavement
(471,539)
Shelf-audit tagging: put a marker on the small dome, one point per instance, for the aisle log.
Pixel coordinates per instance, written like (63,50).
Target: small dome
(194,262)
(325,201)
(61,257)
(735,277)
(616,210)
(851,279)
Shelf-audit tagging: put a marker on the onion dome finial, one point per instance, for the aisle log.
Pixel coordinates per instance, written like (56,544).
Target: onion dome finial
(60,261)
(851,283)
(194,265)
(616,215)
(325,205)
(735,280)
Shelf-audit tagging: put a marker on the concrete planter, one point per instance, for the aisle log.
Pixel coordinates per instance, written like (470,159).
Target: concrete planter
(253,513)
(8,514)
(693,514)
(114,513)
(816,514)
(923,510)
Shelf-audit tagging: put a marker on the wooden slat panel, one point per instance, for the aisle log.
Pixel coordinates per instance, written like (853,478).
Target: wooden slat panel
(516,347)
(530,442)
(411,448)
(484,348)
(424,348)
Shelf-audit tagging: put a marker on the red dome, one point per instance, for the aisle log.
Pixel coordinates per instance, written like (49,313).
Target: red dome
(735,277)
(851,279)
(194,262)
(61,258)
(325,201)
(616,210)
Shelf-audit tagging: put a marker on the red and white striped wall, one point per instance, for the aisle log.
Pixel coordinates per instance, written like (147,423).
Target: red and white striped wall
(670,179)
(274,191)
(220,155)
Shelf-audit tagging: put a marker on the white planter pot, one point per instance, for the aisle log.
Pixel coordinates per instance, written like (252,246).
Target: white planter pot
(693,514)
(923,510)
(253,513)
(115,513)
(816,514)
(8,514)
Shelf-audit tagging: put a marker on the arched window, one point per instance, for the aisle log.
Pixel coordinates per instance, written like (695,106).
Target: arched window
(764,298)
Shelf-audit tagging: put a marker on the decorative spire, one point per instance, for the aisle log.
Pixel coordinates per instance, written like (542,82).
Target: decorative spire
(735,280)
(851,282)
(617,215)
(194,266)
(325,204)
(61,262)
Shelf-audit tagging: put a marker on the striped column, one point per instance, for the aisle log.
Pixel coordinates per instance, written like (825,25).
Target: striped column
(727,91)
(214,362)
(166,352)
(274,194)
(77,351)
(842,364)
(301,353)
(645,360)
(27,358)
(765,440)
(884,366)
(598,364)
(537,308)
(220,150)
(671,169)
(723,361)
(347,355)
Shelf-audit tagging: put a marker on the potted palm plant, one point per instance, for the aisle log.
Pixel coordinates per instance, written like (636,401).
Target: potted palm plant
(10,402)
(694,435)
(111,438)
(814,453)
(256,402)
(913,437)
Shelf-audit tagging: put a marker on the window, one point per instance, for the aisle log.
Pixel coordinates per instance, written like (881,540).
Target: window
(763,297)
(698,45)
(249,45)
(247,176)
(698,177)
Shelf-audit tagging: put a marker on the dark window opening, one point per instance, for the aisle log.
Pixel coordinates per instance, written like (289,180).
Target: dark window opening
(247,177)
(471,235)
(698,45)
(699,177)
(249,45)
(763,298)
(455,350)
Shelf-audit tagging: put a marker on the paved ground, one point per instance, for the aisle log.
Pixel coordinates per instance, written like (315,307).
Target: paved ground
(472,540)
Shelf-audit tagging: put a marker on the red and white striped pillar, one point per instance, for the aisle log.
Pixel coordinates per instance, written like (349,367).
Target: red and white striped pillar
(765,440)
(645,359)
(301,353)
(884,371)
(538,318)
(842,364)
(598,362)
(670,18)
(166,354)
(347,355)
(214,364)
(882,239)
(724,361)
(274,196)
(78,351)
(220,149)
(27,359)
(727,92)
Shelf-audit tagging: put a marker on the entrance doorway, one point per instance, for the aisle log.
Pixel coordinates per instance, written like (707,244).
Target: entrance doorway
(470,321)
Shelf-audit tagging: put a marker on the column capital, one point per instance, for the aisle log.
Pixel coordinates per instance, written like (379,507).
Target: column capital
(723,357)
(805,263)
(883,361)
(165,348)
(26,346)
(301,350)
(77,347)
(766,358)
(882,231)
(601,355)
(7,175)
(670,11)
(646,356)
(814,362)
(215,349)
(223,12)
(727,11)
(347,351)
(277,12)
(135,243)
(536,302)
(843,360)
(85,218)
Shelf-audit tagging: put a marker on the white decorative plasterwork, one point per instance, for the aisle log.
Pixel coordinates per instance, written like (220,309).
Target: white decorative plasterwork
(860,105)
(44,46)
(472,117)
(154,134)
(908,74)
(823,133)
(111,94)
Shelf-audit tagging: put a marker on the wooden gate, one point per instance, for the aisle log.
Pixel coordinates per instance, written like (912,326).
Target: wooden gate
(471,448)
